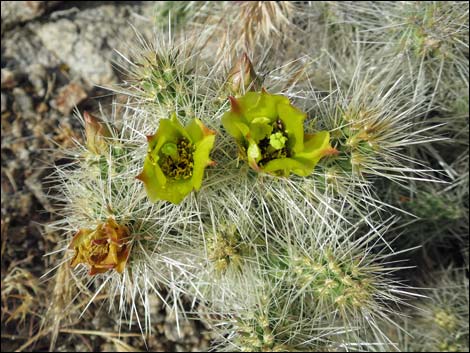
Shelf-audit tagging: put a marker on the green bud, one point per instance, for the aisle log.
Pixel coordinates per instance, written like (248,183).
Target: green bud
(96,133)
(170,149)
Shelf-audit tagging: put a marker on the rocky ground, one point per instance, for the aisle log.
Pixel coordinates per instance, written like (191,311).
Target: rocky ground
(55,54)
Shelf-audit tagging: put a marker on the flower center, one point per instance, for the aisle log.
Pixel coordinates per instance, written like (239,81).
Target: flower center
(274,146)
(177,161)
(99,249)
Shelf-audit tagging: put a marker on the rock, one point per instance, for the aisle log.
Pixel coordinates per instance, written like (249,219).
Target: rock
(20,235)
(82,37)
(86,40)
(23,48)
(42,108)
(4,102)
(34,185)
(69,97)
(24,203)
(37,75)
(82,56)
(14,12)
(8,79)
(23,103)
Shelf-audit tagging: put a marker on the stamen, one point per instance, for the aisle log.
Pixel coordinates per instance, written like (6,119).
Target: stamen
(274,146)
(179,163)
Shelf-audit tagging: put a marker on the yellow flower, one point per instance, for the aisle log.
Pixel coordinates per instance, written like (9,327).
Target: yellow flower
(270,133)
(176,159)
(103,248)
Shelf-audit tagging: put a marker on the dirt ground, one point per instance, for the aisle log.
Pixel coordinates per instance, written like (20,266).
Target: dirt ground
(53,55)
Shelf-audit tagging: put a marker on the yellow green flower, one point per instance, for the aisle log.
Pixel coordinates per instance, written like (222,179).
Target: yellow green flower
(270,133)
(176,159)
(103,248)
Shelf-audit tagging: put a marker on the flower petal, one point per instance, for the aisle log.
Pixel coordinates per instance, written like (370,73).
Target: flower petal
(247,102)
(266,106)
(201,159)
(233,123)
(316,145)
(293,120)
(253,152)
(153,178)
(285,166)
(259,130)
(197,130)
(123,256)
(169,130)
(79,237)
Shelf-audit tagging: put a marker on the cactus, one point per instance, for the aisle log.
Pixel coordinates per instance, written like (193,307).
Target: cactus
(286,217)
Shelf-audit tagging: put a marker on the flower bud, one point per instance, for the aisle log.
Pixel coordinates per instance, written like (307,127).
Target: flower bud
(96,132)
(242,77)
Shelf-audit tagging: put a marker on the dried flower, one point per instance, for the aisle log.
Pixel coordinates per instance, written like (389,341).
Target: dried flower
(96,133)
(103,248)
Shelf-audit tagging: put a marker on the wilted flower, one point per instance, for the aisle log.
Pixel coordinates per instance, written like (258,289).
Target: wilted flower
(96,132)
(176,159)
(270,133)
(103,248)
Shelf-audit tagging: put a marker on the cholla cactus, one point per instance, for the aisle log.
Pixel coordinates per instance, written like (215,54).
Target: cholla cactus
(431,32)
(246,26)
(307,285)
(121,238)
(440,323)
(298,248)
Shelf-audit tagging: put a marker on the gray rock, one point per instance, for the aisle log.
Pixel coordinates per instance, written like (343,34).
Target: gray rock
(4,102)
(85,41)
(68,97)
(14,12)
(23,103)
(8,79)
(37,75)
(23,48)
(65,39)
